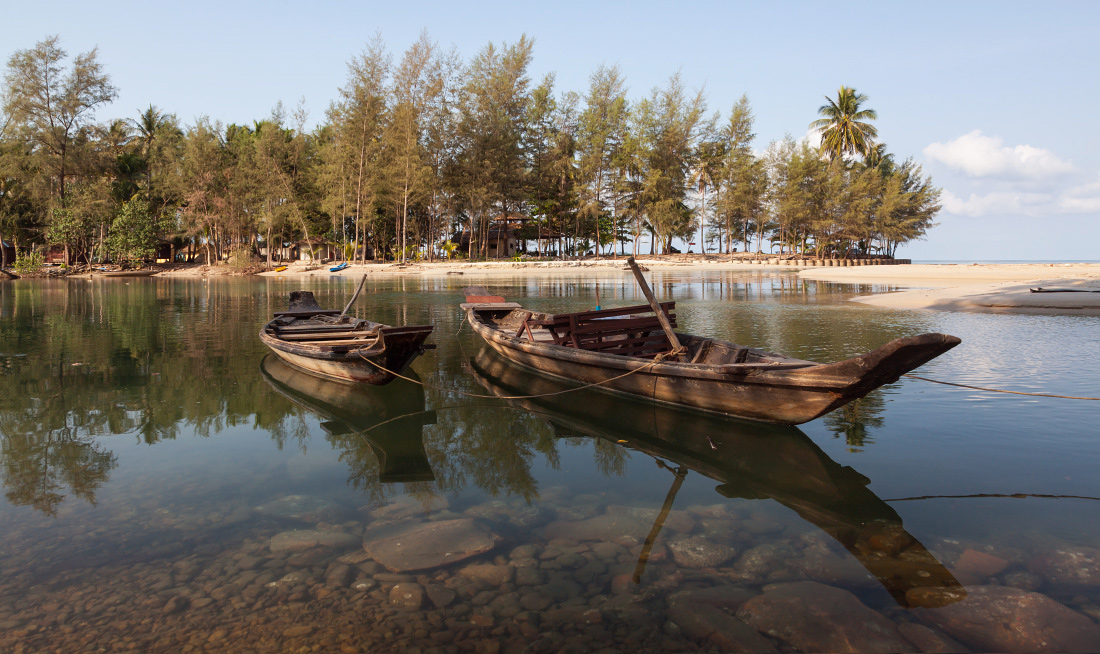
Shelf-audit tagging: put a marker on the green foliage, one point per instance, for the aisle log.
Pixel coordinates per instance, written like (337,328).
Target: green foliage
(135,232)
(29,262)
(70,227)
(415,151)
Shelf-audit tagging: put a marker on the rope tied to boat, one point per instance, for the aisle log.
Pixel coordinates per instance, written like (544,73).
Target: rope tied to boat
(999,390)
(657,359)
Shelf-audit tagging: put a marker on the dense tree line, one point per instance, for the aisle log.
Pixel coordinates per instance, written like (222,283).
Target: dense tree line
(417,149)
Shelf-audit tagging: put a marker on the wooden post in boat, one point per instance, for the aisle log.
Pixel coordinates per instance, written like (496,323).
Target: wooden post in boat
(665,325)
(353,299)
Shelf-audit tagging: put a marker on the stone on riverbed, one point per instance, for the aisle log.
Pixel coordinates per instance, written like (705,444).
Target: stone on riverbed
(300,507)
(407,506)
(405,547)
(698,552)
(1074,566)
(487,573)
(622,529)
(1003,619)
(303,539)
(704,615)
(814,617)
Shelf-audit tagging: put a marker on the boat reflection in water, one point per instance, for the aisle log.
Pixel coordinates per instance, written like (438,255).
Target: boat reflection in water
(380,422)
(750,461)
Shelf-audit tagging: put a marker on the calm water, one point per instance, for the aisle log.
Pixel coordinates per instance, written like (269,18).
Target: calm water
(164,481)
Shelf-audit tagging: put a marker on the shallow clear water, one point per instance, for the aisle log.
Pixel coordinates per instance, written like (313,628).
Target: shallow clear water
(157,469)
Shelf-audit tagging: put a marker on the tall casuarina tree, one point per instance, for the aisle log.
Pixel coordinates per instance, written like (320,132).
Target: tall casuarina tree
(844,127)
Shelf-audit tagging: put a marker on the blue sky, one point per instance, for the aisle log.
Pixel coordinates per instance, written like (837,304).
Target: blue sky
(997,100)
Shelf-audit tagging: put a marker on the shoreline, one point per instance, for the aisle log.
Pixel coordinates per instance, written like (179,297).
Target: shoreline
(973,287)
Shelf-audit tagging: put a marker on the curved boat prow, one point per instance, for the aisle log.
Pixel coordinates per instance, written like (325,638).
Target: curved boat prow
(888,363)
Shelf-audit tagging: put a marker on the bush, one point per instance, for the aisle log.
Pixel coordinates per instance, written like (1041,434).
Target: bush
(240,257)
(28,263)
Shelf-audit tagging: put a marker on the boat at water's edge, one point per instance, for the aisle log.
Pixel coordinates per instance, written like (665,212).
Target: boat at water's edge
(622,350)
(325,343)
(140,272)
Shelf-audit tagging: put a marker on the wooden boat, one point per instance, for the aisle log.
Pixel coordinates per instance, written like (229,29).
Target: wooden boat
(634,350)
(338,268)
(750,461)
(378,430)
(137,272)
(329,344)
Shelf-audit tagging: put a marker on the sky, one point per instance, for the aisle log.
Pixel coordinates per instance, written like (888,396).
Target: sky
(998,101)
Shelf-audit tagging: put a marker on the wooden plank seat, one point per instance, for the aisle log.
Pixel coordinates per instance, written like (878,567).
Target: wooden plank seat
(614,331)
(325,336)
(305,313)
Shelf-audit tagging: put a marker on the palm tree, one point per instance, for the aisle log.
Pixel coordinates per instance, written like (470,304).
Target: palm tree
(844,127)
(878,157)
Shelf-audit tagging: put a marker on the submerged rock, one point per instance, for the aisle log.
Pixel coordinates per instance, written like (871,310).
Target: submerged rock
(300,507)
(698,552)
(492,575)
(978,566)
(407,596)
(1003,619)
(929,640)
(1076,566)
(407,506)
(622,529)
(405,547)
(304,539)
(814,617)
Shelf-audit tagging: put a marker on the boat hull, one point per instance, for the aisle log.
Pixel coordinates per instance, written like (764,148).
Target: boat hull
(125,273)
(375,363)
(788,394)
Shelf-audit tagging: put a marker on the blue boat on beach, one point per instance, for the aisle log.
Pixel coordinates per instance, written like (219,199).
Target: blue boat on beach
(338,268)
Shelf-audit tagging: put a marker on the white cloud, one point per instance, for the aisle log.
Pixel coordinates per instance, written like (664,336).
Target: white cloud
(1082,199)
(978,155)
(996,203)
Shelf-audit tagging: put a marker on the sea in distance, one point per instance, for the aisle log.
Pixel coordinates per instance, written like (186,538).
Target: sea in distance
(1004,261)
(170,487)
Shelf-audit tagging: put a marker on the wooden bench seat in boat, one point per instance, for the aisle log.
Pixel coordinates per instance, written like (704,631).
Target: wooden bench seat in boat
(613,331)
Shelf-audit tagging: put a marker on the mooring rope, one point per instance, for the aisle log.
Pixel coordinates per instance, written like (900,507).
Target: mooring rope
(1014,496)
(658,359)
(998,390)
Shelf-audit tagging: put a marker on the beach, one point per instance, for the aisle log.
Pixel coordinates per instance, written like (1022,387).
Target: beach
(994,288)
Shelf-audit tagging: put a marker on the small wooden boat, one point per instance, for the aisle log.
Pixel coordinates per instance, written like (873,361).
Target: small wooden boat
(137,272)
(338,268)
(634,350)
(329,344)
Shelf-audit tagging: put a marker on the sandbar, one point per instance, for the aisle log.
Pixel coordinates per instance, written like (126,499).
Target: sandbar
(989,288)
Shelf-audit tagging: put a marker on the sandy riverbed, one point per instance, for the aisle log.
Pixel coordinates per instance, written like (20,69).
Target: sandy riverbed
(949,287)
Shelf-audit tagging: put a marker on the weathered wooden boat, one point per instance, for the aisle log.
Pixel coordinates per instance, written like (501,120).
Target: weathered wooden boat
(378,430)
(749,460)
(634,350)
(330,344)
(136,272)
